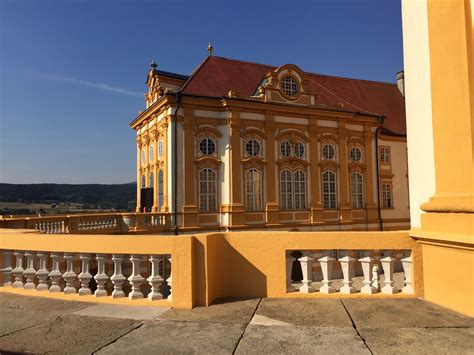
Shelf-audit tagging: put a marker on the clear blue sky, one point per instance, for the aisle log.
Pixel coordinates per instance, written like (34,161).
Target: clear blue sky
(72,73)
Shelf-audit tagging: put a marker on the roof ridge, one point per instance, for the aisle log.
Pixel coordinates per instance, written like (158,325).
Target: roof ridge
(246,62)
(193,73)
(306,72)
(352,79)
(343,99)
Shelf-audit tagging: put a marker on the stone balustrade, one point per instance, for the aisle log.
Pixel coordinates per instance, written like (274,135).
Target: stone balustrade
(135,276)
(364,271)
(93,223)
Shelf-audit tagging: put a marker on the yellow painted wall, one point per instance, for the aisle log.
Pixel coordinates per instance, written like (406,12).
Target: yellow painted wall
(449,275)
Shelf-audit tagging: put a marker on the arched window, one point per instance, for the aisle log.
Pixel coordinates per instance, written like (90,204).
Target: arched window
(151,154)
(253,190)
(160,149)
(151,180)
(160,189)
(207,190)
(300,190)
(357,190)
(286,190)
(329,189)
(143,182)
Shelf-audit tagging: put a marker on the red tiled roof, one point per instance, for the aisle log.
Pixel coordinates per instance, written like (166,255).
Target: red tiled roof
(217,75)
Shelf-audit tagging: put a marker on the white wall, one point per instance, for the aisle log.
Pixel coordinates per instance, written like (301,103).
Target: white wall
(418,105)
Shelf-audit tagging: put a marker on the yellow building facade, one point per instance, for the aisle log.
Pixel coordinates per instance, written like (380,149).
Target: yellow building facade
(239,145)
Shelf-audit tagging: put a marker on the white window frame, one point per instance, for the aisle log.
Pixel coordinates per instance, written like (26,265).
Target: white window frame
(387,195)
(255,148)
(300,189)
(205,149)
(289,85)
(323,149)
(151,179)
(360,154)
(329,189)
(299,147)
(357,190)
(253,189)
(208,190)
(160,189)
(385,154)
(288,149)
(286,189)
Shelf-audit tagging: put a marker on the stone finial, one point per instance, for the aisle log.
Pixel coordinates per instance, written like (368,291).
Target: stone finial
(153,65)
(210,48)
(232,94)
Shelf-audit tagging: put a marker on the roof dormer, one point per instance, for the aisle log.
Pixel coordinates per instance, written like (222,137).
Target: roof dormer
(286,84)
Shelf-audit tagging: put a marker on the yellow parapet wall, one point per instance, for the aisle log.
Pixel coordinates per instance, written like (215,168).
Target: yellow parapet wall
(206,267)
(181,248)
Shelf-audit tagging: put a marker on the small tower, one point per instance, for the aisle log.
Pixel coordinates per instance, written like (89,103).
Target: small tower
(210,48)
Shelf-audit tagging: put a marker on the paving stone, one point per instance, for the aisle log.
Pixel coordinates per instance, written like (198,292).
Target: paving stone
(20,312)
(376,313)
(172,337)
(305,312)
(40,303)
(68,334)
(232,311)
(419,340)
(261,339)
(120,311)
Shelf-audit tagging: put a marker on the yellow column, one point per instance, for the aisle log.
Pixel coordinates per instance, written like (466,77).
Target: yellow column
(139,177)
(345,202)
(371,206)
(154,168)
(236,208)
(316,204)
(165,164)
(447,227)
(190,209)
(271,208)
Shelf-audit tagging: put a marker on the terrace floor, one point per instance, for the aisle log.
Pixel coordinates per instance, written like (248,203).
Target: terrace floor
(257,326)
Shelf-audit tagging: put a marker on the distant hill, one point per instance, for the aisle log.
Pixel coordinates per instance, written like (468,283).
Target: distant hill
(89,196)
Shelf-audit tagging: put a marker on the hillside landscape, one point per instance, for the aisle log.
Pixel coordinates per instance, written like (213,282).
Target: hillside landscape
(65,198)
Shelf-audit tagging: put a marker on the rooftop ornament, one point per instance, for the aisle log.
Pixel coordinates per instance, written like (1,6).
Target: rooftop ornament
(210,48)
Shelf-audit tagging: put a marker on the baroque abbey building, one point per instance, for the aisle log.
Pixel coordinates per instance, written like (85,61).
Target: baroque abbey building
(239,145)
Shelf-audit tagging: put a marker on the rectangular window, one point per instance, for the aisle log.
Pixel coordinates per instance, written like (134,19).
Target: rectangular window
(357,191)
(160,189)
(385,154)
(286,190)
(253,190)
(387,201)
(300,190)
(207,190)
(329,189)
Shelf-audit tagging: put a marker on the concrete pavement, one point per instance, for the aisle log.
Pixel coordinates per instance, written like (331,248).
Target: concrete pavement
(258,326)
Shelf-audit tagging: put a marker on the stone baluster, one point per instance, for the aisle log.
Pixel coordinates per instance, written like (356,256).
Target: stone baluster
(407,264)
(30,271)
(18,270)
(307,269)
(367,263)
(375,278)
(69,276)
(85,276)
(289,268)
(388,264)
(42,273)
(101,277)
(135,278)
(6,269)
(55,274)
(169,280)
(117,278)
(326,268)
(347,266)
(155,280)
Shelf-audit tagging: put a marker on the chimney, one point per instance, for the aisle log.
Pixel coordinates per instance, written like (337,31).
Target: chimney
(401,82)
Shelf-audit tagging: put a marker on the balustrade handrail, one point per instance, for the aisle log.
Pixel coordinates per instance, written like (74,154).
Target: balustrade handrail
(116,222)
